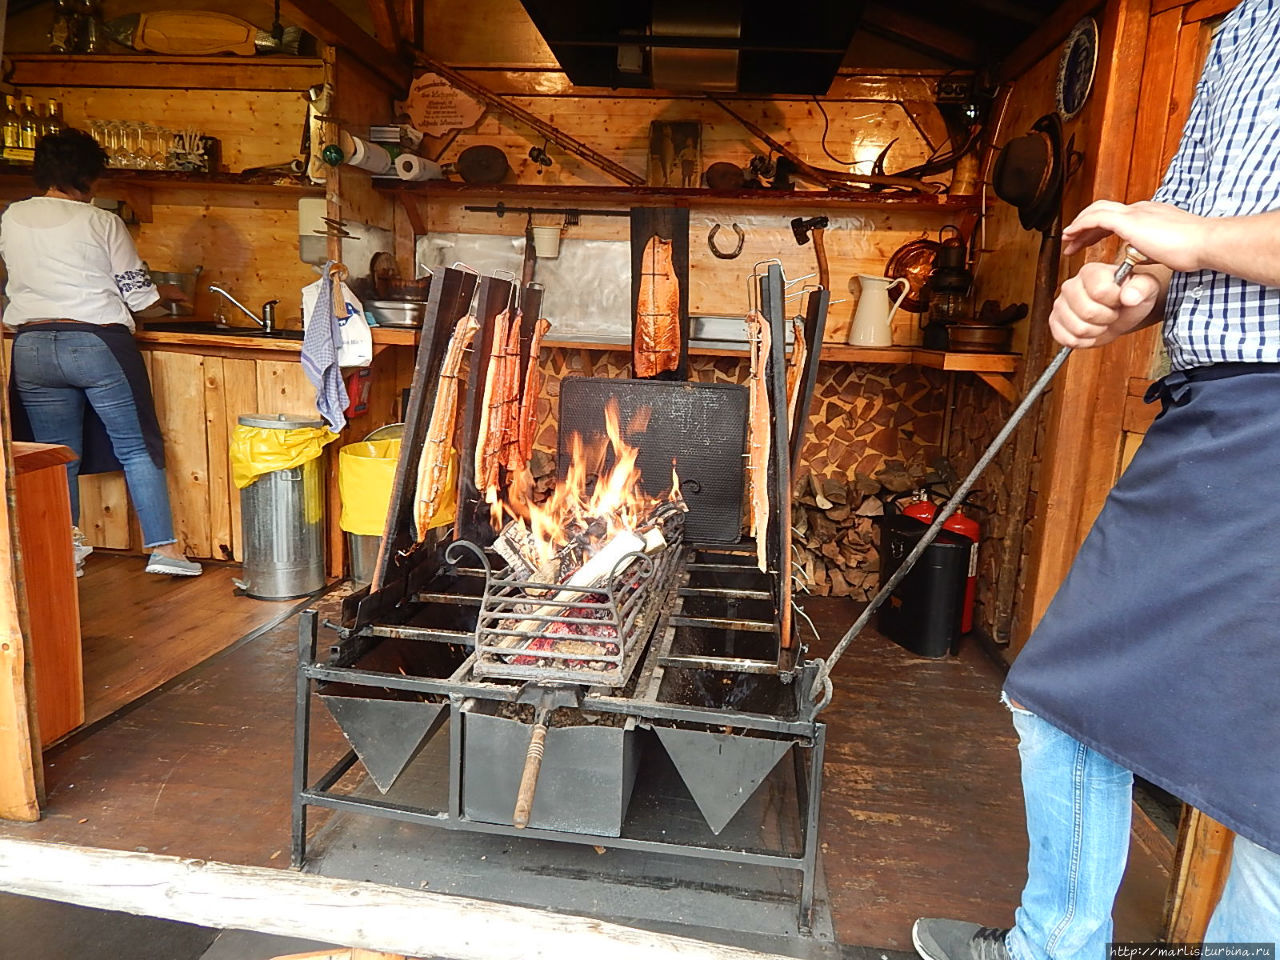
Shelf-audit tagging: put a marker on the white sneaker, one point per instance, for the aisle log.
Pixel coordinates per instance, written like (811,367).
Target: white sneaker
(80,547)
(173,566)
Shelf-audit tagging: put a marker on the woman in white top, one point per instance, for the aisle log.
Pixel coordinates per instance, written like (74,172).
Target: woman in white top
(75,281)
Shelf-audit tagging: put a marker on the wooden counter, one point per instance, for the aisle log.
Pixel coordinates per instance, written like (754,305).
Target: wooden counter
(202,383)
(48,569)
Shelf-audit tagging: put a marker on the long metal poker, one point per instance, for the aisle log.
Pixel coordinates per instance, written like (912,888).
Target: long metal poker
(822,677)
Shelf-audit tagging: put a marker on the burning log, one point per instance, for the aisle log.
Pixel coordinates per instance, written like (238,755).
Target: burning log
(578,564)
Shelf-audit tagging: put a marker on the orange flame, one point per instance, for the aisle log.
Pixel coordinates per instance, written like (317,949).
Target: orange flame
(614,504)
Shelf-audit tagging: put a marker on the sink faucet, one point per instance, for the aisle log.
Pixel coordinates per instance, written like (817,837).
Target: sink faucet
(268,319)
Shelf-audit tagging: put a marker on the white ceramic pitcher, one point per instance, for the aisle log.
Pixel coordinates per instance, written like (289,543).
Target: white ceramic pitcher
(871,322)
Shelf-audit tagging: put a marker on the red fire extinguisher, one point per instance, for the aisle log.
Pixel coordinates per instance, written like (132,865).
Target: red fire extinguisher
(924,509)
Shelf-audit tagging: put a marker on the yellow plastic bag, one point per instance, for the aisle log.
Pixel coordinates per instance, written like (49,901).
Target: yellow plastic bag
(366,474)
(259,450)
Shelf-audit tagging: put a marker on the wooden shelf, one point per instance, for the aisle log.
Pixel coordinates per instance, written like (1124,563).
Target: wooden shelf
(521,194)
(992,368)
(162,180)
(145,70)
(140,188)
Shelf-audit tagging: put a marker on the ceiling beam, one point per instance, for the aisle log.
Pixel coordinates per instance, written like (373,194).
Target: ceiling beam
(385,27)
(409,18)
(946,45)
(329,24)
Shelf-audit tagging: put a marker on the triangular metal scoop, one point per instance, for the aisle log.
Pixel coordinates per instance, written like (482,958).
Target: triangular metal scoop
(721,771)
(385,734)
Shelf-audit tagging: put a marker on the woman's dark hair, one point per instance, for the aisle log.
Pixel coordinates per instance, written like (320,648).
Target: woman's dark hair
(69,159)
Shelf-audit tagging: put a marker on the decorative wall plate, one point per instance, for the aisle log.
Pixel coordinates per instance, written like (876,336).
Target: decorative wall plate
(1076,67)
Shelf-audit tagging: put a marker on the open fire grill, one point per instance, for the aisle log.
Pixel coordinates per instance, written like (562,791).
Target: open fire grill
(675,682)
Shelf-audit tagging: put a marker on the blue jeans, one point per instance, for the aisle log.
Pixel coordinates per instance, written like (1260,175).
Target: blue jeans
(56,372)
(1078,811)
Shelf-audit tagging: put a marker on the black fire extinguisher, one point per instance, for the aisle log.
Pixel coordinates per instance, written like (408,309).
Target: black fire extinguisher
(923,508)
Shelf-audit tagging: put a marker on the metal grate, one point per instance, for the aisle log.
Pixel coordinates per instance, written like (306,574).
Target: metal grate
(531,630)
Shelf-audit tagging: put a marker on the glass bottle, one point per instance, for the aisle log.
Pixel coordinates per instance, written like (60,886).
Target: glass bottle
(29,122)
(11,124)
(65,30)
(53,117)
(89,34)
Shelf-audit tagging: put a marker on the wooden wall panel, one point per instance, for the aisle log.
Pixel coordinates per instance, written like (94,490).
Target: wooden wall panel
(284,388)
(239,396)
(359,102)
(179,384)
(104,510)
(256,128)
(217,429)
(860,128)
(250,251)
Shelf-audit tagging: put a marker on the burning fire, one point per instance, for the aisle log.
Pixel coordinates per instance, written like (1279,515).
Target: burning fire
(589,519)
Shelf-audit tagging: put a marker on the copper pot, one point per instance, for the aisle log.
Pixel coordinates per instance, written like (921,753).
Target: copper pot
(979,338)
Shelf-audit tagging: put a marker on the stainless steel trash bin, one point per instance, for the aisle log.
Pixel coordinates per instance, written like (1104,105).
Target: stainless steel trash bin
(282,517)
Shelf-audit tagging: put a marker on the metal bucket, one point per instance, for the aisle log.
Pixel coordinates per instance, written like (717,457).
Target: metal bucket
(282,516)
(363,553)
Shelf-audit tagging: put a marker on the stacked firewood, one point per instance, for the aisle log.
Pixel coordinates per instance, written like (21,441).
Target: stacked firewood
(834,549)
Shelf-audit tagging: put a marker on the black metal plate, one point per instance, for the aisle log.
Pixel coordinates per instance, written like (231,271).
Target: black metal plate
(702,426)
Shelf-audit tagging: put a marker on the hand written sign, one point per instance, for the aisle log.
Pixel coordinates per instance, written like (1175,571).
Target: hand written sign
(435,107)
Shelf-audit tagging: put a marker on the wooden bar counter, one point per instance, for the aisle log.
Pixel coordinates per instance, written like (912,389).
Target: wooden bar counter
(48,568)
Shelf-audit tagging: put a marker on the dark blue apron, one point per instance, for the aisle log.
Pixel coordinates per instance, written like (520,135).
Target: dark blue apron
(1161,649)
(96,454)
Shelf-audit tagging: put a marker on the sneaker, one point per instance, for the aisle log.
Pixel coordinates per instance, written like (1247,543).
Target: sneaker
(79,547)
(173,566)
(958,940)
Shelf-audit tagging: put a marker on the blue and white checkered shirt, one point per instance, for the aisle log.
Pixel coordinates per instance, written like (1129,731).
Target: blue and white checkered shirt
(1228,164)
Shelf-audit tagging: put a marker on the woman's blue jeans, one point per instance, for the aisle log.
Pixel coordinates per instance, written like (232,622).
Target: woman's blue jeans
(1078,812)
(57,372)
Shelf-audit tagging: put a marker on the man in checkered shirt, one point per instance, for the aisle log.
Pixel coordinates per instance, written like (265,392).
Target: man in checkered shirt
(1160,654)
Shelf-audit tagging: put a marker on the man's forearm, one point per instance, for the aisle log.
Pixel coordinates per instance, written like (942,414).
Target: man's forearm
(1245,247)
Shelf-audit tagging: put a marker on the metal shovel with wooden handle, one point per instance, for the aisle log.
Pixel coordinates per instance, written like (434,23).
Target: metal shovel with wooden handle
(549,698)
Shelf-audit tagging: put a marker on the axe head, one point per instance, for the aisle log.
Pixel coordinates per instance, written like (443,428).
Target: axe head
(801,227)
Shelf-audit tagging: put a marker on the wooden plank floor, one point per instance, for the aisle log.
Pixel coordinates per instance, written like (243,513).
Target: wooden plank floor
(922,804)
(139,630)
(922,809)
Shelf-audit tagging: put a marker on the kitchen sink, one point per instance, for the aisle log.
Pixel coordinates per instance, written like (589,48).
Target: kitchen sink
(206,327)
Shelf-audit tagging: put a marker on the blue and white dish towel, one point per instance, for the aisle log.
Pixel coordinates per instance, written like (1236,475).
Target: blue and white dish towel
(320,342)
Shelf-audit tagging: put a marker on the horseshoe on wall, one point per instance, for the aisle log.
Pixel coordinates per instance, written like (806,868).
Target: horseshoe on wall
(721,254)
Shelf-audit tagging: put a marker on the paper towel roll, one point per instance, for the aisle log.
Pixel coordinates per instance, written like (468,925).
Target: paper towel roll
(368,156)
(409,167)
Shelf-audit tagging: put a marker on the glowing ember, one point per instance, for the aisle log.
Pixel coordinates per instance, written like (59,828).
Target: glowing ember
(586,520)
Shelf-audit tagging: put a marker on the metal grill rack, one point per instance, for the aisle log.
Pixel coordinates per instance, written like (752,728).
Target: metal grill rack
(530,630)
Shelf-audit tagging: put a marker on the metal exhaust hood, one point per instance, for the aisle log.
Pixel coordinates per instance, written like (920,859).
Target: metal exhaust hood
(714,46)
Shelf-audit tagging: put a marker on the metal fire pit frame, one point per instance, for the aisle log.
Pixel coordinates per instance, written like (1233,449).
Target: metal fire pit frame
(632,599)
(805,734)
